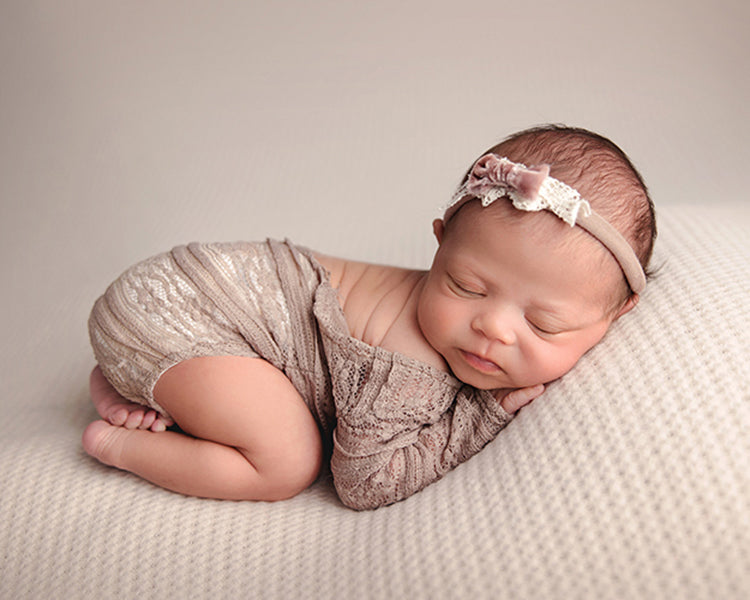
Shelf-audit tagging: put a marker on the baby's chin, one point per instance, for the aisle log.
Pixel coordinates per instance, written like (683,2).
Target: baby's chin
(483,382)
(503,383)
(484,377)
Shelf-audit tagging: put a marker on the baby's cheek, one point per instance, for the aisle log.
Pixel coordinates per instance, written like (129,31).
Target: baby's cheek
(429,318)
(442,320)
(552,366)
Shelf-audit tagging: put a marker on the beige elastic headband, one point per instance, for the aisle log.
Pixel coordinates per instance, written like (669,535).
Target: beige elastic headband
(532,189)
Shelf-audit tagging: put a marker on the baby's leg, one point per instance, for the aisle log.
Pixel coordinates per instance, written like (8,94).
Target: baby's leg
(116,410)
(249,434)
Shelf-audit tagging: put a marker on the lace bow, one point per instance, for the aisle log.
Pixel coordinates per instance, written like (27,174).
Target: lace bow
(529,188)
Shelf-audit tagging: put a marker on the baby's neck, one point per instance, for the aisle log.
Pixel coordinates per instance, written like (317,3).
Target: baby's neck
(380,306)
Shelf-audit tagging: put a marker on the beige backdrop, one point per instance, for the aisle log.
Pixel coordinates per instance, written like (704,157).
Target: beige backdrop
(129,127)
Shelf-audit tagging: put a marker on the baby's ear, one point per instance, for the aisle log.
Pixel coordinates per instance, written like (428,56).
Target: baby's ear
(438,228)
(629,305)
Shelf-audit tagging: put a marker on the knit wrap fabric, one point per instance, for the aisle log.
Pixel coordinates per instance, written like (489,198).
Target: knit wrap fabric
(399,424)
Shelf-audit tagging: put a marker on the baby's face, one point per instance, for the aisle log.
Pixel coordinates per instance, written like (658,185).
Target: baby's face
(507,308)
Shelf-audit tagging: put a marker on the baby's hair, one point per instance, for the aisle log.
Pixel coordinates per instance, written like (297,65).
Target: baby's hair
(598,169)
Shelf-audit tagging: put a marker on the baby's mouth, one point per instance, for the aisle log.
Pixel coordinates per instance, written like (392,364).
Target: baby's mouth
(479,363)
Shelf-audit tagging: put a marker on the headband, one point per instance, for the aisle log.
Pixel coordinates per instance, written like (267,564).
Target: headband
(532,189)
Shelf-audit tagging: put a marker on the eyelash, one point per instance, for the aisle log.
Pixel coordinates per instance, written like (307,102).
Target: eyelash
(463,289)
(544,331)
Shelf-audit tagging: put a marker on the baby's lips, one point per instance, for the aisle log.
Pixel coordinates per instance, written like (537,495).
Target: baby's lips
(481,364)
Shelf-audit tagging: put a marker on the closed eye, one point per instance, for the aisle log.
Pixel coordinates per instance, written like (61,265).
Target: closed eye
(545,329)
(464,289)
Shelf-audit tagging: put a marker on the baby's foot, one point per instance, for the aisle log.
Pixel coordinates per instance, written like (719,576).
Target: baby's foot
(118,411)
(104,442)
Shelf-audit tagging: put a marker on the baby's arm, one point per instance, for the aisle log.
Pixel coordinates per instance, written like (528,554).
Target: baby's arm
(378,462)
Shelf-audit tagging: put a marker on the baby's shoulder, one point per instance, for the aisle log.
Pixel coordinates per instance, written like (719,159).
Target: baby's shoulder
(362,284)
(380,306)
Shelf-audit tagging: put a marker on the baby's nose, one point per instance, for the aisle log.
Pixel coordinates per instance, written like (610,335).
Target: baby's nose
(496,326)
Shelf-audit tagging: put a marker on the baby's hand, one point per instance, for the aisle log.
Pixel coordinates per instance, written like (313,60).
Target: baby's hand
(516,399)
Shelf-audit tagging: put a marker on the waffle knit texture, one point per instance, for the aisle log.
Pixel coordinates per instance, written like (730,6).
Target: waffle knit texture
(627,479)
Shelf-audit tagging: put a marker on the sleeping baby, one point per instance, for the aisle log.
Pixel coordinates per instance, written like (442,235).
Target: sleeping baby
(234,370)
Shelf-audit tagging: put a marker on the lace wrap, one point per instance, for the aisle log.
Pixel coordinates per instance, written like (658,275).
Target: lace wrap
(401,424)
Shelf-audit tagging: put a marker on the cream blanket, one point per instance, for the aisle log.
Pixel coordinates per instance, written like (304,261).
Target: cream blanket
(629,480)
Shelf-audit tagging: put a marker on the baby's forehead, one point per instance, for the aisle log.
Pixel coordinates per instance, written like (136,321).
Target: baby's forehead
(551,240)
(543,227)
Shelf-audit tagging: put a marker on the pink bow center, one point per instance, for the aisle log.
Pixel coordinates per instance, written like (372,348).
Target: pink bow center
(492,172)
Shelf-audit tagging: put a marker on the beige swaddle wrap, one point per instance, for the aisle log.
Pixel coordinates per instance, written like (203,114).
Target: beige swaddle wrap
(243,299)
(399,424)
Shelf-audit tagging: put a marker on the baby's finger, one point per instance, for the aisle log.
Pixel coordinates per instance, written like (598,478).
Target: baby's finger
(521,397)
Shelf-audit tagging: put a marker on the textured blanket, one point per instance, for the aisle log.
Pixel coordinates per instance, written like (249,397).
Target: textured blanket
(627,479)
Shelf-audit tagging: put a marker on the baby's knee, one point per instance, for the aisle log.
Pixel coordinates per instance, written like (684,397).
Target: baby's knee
(293,470)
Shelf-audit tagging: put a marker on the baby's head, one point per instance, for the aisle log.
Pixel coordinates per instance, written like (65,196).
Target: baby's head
(517,295)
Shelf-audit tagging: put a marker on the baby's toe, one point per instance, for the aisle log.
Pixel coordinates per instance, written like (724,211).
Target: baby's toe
(134,418)
(117,415)
(148,419)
